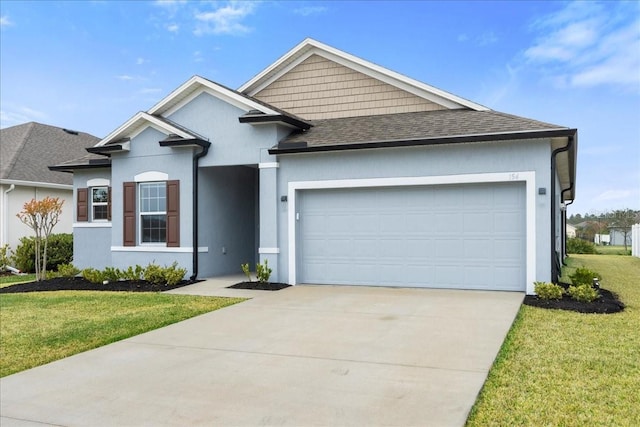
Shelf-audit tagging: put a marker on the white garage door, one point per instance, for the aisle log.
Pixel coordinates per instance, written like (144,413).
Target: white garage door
(445,236)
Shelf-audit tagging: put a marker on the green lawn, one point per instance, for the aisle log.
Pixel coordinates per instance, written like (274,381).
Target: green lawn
(560,368)
(40,327)
(613,250)
(15,279)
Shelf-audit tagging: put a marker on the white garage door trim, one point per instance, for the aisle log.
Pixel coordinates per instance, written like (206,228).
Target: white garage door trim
(528,177)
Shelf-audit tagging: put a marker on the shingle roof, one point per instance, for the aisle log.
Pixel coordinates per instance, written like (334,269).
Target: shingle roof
(26,150)
(412,126)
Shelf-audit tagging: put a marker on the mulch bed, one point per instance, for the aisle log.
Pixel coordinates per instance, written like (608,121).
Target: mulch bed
(260,286)
(607,303)
(80,284)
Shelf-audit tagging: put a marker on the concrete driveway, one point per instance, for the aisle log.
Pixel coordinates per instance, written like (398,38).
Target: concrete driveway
(303,356)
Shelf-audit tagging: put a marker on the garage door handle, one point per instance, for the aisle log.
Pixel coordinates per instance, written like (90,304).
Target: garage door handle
(297,216)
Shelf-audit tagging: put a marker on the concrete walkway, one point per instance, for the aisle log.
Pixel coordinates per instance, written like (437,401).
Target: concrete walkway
(303,356)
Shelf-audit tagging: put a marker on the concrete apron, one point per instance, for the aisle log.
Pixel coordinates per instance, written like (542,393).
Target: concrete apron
(306,355)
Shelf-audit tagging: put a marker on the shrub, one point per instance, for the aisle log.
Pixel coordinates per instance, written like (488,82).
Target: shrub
(59,251)
(583,276)
(245,270)
(173,275)
(4,257)
(579,246)
(263,272)
(111,274)
(583,293)
(153,273)
(67,270)
(548,290)
(93,275)
(133,273)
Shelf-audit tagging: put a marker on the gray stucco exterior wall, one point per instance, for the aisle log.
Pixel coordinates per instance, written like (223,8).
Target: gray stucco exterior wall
(505,156)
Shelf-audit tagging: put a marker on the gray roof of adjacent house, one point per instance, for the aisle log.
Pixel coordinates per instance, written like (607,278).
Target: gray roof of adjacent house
(394,129)
(26,150)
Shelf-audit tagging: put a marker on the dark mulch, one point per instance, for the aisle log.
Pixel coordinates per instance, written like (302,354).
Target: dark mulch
(260,286)
(606,304)
(80,284)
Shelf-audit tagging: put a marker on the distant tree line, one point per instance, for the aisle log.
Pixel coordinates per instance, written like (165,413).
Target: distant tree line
(592,223)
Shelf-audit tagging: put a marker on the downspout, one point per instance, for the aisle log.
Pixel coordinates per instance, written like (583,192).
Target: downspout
(555,273)
(196,158)
(5,215)
(564,225)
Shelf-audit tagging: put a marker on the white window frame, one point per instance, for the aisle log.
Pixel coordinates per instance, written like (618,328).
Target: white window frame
(93,203)
(142,213)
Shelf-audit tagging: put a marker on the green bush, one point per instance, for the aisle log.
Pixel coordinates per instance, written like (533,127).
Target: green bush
(133,273)
(548,290)
(93,275)
(5,258)
(583,293)
(173,275)
(263,272)
(67,270)
(245,270)
(579,246)
(59,251)
(583,276)
(153,273)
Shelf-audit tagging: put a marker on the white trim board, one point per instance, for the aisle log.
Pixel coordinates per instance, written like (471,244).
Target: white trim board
(528,177)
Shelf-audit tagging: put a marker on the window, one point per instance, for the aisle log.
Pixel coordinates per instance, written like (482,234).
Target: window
(153,212)
(99,203)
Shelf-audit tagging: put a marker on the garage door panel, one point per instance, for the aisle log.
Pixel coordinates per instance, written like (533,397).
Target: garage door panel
(456,236)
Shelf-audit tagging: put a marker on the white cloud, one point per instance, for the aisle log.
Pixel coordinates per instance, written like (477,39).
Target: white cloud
(225,20)
(173,28)
(310,10)
(587,45)
(4,21)
(124,77)
(15,115)
(140,61)
(612,195)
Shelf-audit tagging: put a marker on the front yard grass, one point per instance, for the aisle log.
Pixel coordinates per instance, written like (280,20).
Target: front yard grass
(40,327)
(561,368)
(14,279)
(613,250)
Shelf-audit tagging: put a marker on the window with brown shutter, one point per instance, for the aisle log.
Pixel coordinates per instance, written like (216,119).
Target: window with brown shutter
(82,212)
(109,204)
(173,213)
(129,211)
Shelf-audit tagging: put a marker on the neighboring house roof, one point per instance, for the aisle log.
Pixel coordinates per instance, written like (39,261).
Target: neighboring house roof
(27,149)
(309,47)
(398,129)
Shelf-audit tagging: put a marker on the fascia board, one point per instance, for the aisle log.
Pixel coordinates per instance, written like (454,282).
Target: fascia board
(135,125)
(196,86)
(36,184)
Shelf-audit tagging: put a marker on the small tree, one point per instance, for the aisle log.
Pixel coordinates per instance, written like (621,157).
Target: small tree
(622,220)
(41,216)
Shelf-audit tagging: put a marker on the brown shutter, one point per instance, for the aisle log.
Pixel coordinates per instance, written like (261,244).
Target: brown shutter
(82,213)
(173,213)
(129,210)
(109,204)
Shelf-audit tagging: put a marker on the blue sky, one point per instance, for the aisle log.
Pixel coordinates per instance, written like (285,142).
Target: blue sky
(92,65)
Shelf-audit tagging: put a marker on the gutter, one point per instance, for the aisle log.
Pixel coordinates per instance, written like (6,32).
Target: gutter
(555,267)
(564,218)
(304,147)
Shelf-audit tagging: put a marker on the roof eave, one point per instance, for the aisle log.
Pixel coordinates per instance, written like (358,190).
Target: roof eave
(258,119)
(302,147)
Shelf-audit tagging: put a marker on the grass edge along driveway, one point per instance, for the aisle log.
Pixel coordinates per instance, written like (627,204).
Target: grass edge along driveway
(570,369)
(41,327)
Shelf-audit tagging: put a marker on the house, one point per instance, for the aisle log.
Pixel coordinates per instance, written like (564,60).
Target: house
(25,152)
(335,171)
(602,239)
(618,236)
(571,231)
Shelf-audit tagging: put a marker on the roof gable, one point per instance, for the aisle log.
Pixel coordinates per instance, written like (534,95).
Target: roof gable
(26,151)
(141,121)
(310,47)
